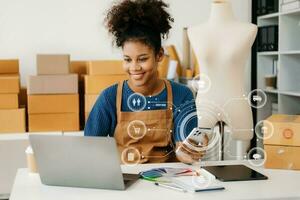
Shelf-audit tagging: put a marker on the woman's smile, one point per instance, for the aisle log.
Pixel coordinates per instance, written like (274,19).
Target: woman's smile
(137,75)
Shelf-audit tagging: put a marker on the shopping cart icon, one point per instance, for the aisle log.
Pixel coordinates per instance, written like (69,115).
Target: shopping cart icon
(137,130)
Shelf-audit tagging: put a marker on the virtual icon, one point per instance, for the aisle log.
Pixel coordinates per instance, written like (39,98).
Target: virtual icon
(264,129)
(136,102)
(130,157)
(257,156)
(257,98)
(136,129)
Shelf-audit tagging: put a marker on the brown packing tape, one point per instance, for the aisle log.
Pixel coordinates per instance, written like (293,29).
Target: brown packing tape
(89,101)
(53,84)
(9,84)
(53,64)
(38,104)
(9,101)
(94,84)
(12,121)
(106,67)
(10,66)
(53,122)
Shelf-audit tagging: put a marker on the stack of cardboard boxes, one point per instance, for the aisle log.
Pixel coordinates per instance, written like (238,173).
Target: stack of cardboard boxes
(12,118)
(101,74)
(282,143)
(53,101)
(80,68)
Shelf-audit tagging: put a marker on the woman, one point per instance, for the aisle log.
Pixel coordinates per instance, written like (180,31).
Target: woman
(138,28)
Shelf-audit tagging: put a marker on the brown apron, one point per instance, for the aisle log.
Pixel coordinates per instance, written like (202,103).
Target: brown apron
(145,136)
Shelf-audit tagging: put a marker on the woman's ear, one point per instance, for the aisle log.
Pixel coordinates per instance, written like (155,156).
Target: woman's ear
(160,55)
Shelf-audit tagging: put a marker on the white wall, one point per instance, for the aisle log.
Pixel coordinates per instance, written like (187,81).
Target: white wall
(29,27)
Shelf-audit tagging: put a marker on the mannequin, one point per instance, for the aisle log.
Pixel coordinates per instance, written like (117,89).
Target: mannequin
(222,46)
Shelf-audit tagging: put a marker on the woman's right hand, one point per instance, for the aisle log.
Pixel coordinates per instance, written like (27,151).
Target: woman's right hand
(188,155)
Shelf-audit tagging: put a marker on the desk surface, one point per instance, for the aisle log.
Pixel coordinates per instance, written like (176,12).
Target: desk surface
(282,184)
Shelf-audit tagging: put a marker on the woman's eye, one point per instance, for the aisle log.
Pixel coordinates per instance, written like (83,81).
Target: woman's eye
(127,60)
(143,59)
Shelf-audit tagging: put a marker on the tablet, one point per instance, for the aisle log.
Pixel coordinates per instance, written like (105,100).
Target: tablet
(235,173)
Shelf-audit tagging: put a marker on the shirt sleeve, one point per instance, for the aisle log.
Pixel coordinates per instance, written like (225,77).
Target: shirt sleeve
(101,121)
(181,129)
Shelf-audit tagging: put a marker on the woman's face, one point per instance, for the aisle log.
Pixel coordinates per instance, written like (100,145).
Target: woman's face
(140,62)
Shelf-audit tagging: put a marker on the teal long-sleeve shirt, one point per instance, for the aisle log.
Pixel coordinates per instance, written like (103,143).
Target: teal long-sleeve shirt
(102,120)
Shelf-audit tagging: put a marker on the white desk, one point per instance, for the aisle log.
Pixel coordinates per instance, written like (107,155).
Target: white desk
(12,157)
(281,185)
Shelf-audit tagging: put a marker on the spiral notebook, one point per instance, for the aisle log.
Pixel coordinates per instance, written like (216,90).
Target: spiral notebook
(185,178)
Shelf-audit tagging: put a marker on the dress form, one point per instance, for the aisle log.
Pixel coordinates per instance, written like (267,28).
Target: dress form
(222,46)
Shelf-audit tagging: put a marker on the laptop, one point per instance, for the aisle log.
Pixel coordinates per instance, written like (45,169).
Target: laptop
(76,161)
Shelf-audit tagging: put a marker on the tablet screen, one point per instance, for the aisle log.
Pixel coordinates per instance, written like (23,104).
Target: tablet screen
(235,173)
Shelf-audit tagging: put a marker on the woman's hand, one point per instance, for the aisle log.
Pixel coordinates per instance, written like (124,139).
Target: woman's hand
(186,154)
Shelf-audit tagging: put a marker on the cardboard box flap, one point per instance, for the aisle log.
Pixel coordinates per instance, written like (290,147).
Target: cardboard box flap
(10,66)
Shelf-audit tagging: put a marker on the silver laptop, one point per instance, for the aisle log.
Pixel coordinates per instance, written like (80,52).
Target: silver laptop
(75,161)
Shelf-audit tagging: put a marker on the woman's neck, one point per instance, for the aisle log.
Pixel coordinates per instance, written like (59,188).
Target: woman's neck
(153,87)
(221,12)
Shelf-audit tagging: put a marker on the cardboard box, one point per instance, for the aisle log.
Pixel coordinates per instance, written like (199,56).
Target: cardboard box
(9,84)
(12,121)
(52,84)
(89,101)
(172,52)
(94,84)
(9,66)
(286,130)
(106,67)
(53,122)
(9,101)
(38,104)
(282,157)
(53,64)
(79,67)
(163,67)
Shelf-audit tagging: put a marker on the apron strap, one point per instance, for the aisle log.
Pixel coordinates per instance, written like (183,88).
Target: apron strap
(119,98)
(169,95)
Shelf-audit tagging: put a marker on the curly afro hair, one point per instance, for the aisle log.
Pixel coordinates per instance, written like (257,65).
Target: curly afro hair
(145,21)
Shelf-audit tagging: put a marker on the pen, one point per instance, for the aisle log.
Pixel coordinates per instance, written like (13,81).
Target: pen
(170,187)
